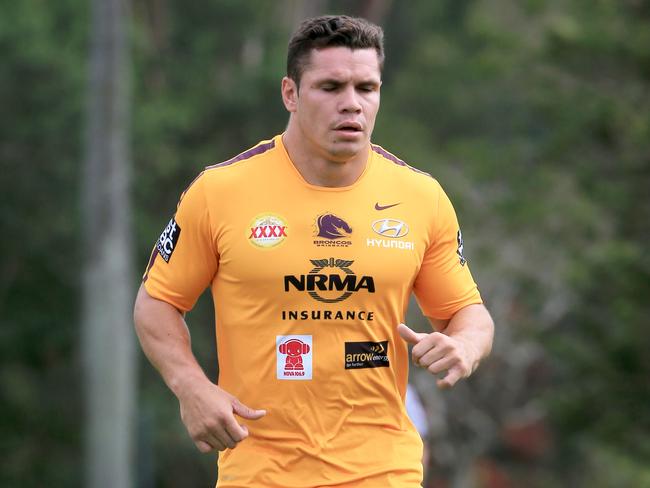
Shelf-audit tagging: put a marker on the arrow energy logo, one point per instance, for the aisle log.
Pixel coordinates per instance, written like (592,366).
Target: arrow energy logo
(360,355)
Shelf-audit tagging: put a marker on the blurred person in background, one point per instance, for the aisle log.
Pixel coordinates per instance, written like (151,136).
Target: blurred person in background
(418,416)
(311,243)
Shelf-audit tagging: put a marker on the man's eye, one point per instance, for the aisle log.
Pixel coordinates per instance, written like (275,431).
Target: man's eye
(329,87)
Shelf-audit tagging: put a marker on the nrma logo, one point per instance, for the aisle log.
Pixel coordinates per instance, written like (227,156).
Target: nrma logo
(333,287)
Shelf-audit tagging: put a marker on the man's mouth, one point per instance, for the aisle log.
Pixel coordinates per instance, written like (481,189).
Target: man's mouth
(349,127)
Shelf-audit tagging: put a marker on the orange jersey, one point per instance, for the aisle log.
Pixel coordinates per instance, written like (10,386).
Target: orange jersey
(309,284)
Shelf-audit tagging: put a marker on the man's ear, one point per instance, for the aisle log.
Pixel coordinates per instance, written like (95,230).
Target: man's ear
(289,94)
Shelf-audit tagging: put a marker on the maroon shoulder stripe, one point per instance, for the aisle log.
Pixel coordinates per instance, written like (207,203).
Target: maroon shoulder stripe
(380,150)
(189,186)
(259,149)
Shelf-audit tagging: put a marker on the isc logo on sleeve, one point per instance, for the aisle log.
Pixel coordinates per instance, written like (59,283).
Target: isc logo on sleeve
(168,239)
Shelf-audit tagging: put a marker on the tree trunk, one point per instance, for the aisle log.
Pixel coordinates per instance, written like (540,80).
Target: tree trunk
(107,334)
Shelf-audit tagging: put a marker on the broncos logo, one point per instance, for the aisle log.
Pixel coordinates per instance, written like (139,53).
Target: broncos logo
(332,227)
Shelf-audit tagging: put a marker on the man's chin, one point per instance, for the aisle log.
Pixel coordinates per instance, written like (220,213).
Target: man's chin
(344,150)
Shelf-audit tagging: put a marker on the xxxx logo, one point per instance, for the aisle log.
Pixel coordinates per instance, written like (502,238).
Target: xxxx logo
(267,231)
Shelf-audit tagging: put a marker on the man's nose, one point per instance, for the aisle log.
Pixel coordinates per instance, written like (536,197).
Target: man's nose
(350,100)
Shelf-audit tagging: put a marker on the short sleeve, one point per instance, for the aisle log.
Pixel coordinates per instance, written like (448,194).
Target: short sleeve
(444,283)
(184,259)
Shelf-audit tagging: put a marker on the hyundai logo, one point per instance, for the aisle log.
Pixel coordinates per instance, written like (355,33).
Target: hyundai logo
(392,228)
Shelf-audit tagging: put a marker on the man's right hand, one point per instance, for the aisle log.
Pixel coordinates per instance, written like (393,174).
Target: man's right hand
(208,413)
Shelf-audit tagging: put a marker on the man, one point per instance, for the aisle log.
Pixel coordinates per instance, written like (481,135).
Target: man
(312,243)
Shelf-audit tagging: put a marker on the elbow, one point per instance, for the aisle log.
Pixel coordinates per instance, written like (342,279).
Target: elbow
(139,307)
(489,332)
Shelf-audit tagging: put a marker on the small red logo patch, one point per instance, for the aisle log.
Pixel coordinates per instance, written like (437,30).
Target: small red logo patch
(267,231)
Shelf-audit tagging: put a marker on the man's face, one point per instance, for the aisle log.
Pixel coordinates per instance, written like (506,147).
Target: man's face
(338,99)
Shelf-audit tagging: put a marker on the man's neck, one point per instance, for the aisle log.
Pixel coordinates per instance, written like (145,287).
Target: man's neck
(319,170)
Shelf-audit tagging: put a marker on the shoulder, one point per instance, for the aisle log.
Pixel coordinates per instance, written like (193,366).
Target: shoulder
(262,148)
(395,170)
(229,175)
(246,164)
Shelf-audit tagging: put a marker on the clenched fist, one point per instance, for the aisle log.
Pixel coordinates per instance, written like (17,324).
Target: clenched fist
(438,353)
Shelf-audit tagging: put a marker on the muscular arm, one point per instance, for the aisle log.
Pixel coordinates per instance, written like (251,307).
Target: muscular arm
(456,347)
(165,340)
(206,410)
(474,327)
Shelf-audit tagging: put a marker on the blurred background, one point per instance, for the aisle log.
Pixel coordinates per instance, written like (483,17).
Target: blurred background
(534,116)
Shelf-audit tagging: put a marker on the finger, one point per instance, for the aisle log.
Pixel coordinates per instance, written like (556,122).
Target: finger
(441,365)
(410,335)
(215,433)
(246,412)
(220,446)
(227,439)
(450,380)
(218,438)
(203,446)
(432,341)
(429,357)
(236,431)
(208,445)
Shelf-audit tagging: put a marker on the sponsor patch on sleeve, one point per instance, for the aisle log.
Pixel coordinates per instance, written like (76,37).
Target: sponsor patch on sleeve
(168,240)
(359,355)
(459,251)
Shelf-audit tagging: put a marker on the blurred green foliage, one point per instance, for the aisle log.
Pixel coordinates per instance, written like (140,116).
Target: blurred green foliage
(42,82)
(534,115)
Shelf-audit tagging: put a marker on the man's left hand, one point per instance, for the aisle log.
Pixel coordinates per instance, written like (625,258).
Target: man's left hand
(438,353)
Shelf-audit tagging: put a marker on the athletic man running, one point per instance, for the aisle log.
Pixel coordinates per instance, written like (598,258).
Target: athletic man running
(311,243)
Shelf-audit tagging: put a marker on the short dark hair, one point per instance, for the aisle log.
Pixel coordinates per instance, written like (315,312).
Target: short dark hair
(331,31)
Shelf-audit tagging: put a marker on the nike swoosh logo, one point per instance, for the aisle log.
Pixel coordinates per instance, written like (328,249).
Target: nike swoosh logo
(384,207)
